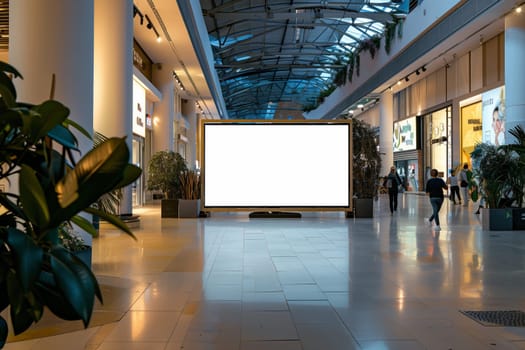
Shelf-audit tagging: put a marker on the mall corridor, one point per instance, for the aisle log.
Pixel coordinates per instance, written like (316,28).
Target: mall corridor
(322,282)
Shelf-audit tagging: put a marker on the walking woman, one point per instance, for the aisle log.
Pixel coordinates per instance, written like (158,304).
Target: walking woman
(392,182)
(434,190)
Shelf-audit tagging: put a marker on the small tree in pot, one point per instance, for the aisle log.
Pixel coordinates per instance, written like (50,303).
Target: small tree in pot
(163,175)
(366,167)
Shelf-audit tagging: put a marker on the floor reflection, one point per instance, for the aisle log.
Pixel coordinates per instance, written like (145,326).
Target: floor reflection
(319,282)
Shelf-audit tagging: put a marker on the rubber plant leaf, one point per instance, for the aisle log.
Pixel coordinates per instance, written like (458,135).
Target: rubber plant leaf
(72,123)
(28,257)
(130,174)
(76,282)
(98,172)
(32,197)
(52,113)
(21,315)
(63,136)
(112,219)
(85,225)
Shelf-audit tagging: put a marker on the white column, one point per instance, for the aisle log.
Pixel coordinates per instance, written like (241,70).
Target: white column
(385,131)
(164,113)
(514,72)
(113,94)
(189,112)
(55,37)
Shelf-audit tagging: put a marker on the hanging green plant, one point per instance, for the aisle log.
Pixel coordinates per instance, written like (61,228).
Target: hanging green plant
(351,65)
(371,45)
(357,64)
(390,32)
(340,76)
(310,107)
(390,29)
(399,24)
(325,93)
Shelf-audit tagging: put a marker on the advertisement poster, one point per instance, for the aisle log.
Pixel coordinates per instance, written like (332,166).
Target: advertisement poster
(471,129)
(404,136)
(493,111)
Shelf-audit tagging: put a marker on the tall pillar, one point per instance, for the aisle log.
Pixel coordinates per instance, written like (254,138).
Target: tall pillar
(164,113)
(386,122)
(189,111)
(113,94)
(55,37)
(514,72)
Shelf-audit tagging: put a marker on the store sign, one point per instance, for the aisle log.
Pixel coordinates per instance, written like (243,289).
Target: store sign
(405,134)
(493,115)
(139,109)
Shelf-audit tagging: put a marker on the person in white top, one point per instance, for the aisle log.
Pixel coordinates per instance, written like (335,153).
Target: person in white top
(463,183)
(454,187)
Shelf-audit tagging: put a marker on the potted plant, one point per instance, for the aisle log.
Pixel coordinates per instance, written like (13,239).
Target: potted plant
(366,167)
(500,173)
(189,202)
(38,147)
(164,169)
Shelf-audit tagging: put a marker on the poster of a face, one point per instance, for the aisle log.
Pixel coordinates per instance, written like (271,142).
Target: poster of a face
(493,111)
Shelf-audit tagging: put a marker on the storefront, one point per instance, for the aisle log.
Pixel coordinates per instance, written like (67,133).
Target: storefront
(407,152)
(437,146)
(139,134)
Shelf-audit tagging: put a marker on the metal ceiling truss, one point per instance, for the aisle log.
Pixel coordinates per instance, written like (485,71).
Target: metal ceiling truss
(269,51)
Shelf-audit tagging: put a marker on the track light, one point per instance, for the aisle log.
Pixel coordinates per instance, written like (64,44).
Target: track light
(417,72)
(423,69)
(406,79)
(136,12)
(150,26)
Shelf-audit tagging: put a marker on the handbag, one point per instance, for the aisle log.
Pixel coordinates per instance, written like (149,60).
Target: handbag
(464,183)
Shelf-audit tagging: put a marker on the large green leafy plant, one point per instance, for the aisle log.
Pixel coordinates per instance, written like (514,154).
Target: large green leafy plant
(36,270)
(500,171)
(164,171)
(366,160)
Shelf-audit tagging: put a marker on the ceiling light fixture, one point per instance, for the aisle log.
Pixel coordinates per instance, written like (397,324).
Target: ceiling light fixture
(136,12)
(149,24)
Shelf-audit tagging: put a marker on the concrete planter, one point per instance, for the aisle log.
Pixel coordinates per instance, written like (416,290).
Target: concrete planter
(496,219)
(189,208)
(169,208)
(363,208)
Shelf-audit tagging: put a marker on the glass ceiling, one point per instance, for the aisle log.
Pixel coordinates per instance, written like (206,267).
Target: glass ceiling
(275,58)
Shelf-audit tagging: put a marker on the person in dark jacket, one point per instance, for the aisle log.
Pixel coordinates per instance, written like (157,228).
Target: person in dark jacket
(434,189)
(392,182)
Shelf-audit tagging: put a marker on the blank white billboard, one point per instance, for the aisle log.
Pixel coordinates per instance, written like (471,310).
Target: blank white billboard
(276,165)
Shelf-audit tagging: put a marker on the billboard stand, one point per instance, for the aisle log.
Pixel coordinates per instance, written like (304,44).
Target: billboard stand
(274,214)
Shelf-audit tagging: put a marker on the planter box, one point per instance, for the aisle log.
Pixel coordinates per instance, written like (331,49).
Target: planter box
(497,219)
(518,219)
(363,208)
(189,208)
(169,208)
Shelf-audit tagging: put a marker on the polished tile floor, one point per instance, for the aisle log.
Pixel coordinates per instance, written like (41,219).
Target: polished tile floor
(321,282)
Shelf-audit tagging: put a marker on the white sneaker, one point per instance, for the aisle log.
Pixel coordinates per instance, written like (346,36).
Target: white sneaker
(437,228)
